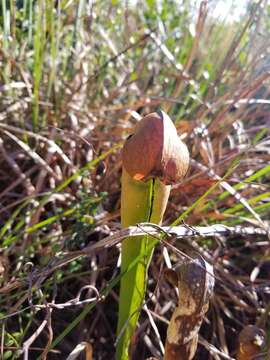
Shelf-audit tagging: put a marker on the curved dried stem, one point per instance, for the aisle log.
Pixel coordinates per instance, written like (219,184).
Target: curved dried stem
(195,281)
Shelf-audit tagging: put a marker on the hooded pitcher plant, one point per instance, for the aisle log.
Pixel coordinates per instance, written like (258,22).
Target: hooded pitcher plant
(154,158)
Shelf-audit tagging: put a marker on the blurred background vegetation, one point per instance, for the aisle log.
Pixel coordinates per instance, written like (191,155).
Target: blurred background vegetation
(75,77)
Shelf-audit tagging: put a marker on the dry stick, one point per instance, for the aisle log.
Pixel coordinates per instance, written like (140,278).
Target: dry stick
(213,350)
(49,324)
(221,332)
(52,305)
(50,333)
(154,326)
(32,348)
(33,337)
(117,237)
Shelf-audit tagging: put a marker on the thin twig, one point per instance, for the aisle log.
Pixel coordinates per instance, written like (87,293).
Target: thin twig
(117,237)
(52,305)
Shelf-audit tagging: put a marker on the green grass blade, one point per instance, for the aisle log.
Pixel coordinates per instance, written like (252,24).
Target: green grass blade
(260,173)
(8,225)
(197,202)
(39,44)
(251,201)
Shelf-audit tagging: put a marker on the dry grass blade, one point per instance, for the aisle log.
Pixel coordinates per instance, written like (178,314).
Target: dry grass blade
(29,341)
(38,159)
(155,329)
(16,169)
(53,147)
(214,351)
(84,346)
